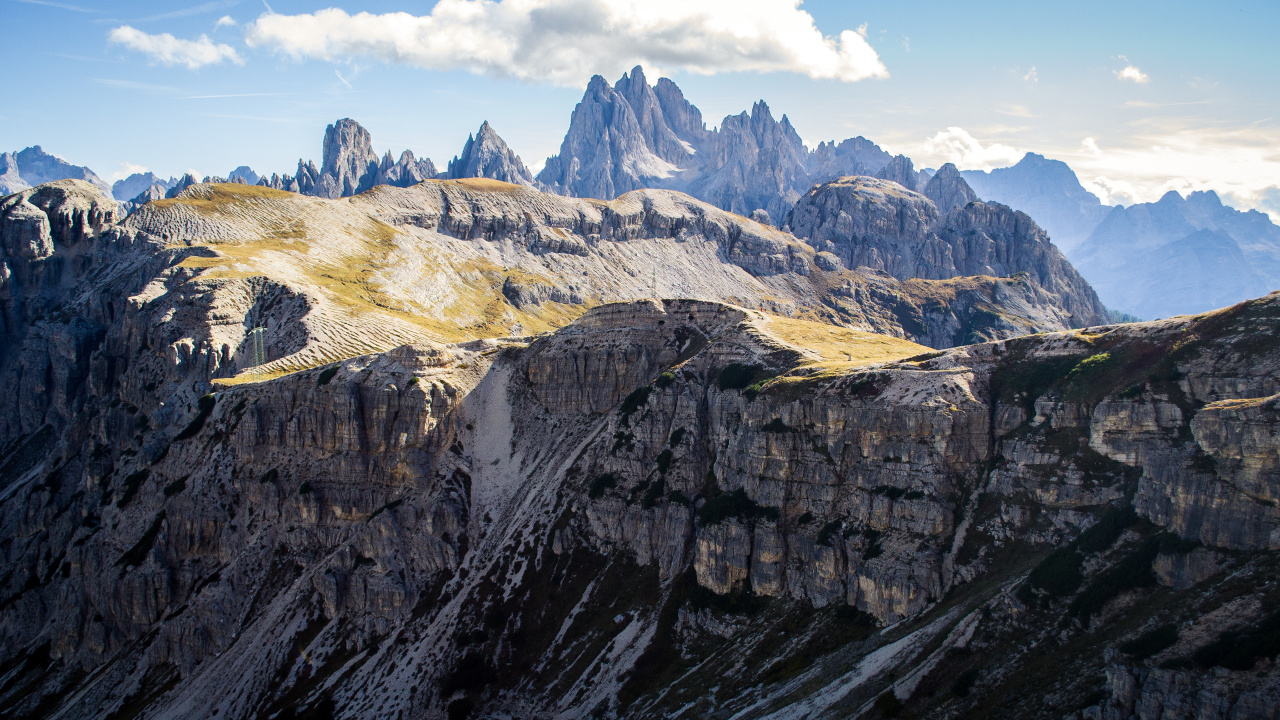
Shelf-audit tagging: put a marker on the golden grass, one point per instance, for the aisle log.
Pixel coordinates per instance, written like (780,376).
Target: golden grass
(484,185)
(837,345)
(217,196)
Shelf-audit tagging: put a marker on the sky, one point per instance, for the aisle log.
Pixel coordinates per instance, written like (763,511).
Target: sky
(1138,97)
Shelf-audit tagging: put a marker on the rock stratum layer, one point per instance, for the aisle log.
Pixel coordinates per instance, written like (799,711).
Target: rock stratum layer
(676,508)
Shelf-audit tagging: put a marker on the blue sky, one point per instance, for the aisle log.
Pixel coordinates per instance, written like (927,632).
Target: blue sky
(1139,97)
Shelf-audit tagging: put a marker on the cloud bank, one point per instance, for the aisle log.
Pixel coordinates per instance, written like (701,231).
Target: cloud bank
(169,50)
(565,42)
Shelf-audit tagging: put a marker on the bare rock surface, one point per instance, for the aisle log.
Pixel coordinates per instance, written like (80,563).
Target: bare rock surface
(650,500)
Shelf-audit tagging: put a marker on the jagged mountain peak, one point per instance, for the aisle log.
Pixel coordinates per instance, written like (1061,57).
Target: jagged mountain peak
(486,155)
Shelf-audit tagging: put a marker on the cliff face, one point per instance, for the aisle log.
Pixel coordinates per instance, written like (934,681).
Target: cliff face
(658,498)
(878,224)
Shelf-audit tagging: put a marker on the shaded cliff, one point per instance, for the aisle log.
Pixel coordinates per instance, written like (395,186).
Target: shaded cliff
(658,498)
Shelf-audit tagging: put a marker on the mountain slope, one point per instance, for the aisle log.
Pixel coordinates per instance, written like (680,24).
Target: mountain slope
(673,508)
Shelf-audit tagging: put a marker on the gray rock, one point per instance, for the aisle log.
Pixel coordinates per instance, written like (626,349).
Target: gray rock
(899,170)
(948,190)
(877,224)
(486,156)
(10,178)
(129,188)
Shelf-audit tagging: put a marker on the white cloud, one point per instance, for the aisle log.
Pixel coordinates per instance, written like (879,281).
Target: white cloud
(344,80)
(1090,146)
(565,42)
(1131,72)
(956,145)
(169,50)
(1032,76)
(224,21)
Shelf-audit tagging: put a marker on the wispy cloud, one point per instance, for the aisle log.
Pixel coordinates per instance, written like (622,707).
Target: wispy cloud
(1016,111)
(239,95)
(344,80)
(193,10)
(135,85)
(169,50)
(1032,76)
(1146,104)
(225,21)
(1131,72)
(60,6)
(567,41)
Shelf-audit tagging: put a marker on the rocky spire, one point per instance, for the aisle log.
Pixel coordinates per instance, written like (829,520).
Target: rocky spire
(604,154)
(349,164)
(660,138)
(948,190)
(487,156)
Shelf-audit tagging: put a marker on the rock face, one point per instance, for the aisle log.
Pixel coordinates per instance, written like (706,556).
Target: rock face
(880,225)
(633,136)
(606,520)
(1047,190)
(349,166)
(1181,255)
(948,190)
(487,156)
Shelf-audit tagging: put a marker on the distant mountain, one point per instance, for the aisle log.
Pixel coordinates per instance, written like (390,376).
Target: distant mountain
(1047,190)
(33,166)
(486,155)
(349,166)
(633,135)
(1180,255)
(129,188)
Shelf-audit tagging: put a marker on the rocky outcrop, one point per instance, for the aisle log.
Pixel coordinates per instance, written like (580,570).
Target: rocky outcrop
(487,156)
(880,225)
(948,190)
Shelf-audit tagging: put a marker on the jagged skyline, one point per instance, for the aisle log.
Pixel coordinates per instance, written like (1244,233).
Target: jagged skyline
(1134,114)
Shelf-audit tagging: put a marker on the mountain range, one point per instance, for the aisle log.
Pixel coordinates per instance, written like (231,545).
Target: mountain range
(634,135)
